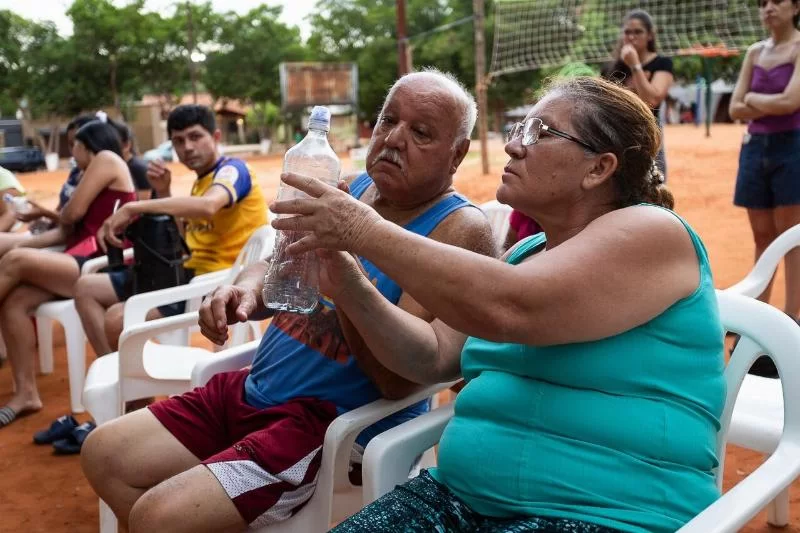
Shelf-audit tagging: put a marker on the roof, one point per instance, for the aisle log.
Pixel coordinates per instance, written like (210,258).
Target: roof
(222,105)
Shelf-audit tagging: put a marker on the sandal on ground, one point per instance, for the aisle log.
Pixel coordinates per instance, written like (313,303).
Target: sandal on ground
(8,415)
(59,429)
(72,444)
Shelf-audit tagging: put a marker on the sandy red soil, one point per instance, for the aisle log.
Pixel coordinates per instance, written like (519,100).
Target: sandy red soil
(40,492)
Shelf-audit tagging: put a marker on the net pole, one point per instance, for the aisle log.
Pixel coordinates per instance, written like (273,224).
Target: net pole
(707,73)
(481,81)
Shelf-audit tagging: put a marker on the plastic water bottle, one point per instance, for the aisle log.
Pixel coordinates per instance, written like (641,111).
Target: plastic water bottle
(18,203)
(292,282)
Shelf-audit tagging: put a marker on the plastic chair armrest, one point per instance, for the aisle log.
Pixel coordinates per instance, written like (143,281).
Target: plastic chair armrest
(228,360)
(137,306)
(748,497)
(342,433)
(390,456)
(133,340)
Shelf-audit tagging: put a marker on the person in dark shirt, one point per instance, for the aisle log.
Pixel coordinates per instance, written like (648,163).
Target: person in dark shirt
(638,65)
(136,165)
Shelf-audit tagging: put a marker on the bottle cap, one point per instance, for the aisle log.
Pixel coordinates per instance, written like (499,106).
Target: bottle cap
(320,118)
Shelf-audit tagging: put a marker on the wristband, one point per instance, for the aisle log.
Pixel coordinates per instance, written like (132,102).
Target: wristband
(637,66)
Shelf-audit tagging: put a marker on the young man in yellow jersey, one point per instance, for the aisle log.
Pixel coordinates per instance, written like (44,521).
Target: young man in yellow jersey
(225,207)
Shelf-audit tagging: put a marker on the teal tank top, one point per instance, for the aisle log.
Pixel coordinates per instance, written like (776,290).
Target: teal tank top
(619,432)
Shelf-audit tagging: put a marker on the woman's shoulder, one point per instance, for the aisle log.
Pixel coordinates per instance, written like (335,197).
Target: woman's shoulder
(659,62)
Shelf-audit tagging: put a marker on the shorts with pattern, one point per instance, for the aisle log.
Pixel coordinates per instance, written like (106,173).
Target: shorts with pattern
(265,459)
(423,504)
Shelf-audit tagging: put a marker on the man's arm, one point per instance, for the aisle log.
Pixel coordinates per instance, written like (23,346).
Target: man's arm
(205,207)
(406,338)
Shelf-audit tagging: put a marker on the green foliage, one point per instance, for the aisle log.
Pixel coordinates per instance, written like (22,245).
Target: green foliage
(253,45)
(265,116)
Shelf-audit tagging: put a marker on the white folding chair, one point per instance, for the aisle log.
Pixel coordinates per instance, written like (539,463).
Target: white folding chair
(333,484)
(763,328)
(498,215)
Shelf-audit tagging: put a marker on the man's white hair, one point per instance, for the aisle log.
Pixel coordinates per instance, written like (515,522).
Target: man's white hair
(469,109)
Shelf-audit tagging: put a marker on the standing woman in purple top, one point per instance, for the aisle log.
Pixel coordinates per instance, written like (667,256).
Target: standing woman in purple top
(768,95)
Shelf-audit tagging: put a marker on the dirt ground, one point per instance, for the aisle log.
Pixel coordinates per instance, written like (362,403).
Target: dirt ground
(40,492)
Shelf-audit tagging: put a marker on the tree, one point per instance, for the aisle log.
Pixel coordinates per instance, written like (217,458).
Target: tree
(251,46)
(265,117)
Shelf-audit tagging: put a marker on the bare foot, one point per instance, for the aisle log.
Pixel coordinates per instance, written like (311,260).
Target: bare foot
(21,405)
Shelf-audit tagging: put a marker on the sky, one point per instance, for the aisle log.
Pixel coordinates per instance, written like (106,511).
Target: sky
(55,10)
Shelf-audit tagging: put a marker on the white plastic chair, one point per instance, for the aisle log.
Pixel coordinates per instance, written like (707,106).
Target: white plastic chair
(388,456)
(64,311)
(257,247)
(762,272)
(332,481)
(498,215)
(758,416)
(142,368)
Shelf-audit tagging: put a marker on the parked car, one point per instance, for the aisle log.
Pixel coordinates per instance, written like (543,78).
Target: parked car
(163,151)
(21,158)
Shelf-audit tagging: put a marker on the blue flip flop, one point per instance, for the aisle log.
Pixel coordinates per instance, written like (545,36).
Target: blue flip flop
(72,444)
(61,428)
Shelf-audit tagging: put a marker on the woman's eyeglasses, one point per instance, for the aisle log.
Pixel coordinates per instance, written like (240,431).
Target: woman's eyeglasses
(634,31)
(532,129)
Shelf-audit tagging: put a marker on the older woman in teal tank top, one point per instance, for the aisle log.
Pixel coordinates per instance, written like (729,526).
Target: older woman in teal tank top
(592,353)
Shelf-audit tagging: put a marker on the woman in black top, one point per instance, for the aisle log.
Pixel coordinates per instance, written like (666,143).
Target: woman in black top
(637,63)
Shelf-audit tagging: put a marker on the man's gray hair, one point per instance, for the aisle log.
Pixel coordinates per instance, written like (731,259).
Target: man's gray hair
(469,109)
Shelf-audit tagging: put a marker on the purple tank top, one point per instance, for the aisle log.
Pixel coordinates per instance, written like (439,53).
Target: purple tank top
(773,81)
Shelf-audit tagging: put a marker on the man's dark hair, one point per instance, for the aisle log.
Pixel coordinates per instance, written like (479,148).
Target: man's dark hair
(80,121)
(97,136)
(186,116)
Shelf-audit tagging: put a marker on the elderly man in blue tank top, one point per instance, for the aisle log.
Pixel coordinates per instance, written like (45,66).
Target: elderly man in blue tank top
(245,450)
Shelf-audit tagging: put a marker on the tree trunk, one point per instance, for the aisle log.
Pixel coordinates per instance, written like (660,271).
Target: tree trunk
(112,74)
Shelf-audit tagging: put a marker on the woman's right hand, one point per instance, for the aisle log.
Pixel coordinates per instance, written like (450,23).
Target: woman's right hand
(334,219)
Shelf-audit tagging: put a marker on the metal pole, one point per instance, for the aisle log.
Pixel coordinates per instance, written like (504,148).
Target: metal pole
(708,74)
(481,81)
(403,55)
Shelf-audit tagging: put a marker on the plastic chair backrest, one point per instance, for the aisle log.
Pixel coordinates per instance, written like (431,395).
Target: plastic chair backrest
(497,214)
(764,330)
(759,277)
(256,248)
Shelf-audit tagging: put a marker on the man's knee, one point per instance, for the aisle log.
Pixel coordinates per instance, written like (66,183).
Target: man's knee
(154,511)
(103,453)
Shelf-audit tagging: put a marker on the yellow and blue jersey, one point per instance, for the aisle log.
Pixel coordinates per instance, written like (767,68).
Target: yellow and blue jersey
(216,242)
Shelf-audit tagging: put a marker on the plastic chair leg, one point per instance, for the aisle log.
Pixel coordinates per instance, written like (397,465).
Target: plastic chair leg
(778,510)
(44,336)
(76,358)
(108,521)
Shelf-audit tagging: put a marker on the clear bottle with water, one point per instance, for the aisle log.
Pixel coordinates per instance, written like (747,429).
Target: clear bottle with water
(292,282)
(18,203)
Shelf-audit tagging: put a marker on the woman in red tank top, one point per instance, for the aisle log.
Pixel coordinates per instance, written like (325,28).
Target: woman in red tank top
(30,277)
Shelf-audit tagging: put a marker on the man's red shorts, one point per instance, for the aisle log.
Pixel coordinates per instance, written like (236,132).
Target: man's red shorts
(265,459)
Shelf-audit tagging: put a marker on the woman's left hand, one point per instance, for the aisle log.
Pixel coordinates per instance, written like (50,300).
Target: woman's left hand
(334,219)
(629,55)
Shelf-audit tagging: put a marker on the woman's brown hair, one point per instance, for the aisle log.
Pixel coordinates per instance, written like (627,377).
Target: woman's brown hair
(613,119)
